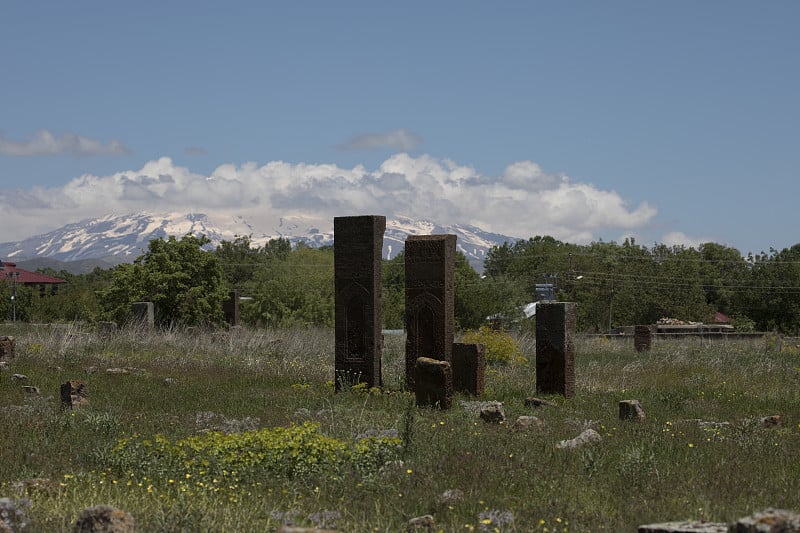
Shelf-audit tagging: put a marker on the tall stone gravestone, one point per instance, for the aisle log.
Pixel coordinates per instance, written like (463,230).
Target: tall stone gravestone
(230,308)
(555,349)
(143,313)
(430,261)
(358,242)
(642,338)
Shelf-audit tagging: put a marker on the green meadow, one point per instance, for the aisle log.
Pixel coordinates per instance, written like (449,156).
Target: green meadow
(242,431)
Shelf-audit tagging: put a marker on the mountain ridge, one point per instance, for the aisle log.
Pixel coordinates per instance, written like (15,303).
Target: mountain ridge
(116,239)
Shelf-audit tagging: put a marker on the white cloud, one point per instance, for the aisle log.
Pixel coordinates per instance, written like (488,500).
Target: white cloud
(521,202)
(678,238)
(400,139)
(45,143)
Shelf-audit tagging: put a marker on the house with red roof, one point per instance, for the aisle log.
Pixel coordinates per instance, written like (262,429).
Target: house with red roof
(14,276)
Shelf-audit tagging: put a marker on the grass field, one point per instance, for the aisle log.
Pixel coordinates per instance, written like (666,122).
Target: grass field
(243,432)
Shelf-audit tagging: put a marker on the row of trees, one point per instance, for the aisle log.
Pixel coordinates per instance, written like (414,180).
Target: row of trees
(613,284)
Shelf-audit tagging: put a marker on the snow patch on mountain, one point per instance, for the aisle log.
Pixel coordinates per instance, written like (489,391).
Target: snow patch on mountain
(122,238)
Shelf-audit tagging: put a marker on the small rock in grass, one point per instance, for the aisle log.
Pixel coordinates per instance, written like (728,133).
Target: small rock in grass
(30,389)
(526,422)
(768,521)
(631,410)
(538,402)
(104,519)
(19,377)
(493,413)
(686,526)
(586,437)
(421,523)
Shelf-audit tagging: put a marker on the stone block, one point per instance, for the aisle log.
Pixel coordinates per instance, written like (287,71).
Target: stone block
(469,368)
(555,348)
(631,410)
(7,348)
(230,309)
(434,384)
(74,395)
(143,313)
(642,338)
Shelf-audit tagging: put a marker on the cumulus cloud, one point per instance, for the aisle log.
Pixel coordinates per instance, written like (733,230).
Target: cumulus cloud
(45,143)
(523,201)
(678,238)
(400,139)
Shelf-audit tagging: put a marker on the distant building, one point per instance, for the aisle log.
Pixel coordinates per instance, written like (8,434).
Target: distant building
(15,277)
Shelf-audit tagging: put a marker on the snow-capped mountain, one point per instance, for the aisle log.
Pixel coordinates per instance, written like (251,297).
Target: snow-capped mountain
(122,238)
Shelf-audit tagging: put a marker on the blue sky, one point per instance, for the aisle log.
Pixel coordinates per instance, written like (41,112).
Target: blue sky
(671,121)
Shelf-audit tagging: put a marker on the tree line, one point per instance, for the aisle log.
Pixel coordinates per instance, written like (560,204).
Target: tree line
(613,285)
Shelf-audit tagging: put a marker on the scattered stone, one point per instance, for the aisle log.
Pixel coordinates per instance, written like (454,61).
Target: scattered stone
(421,523)
(3,365)
(474,407)
(74,395)
(7,347)
(19,377)
(588,436)
(526,422)
(685,527)
(771,421)
(433,383)
(91,370)
(493,413)
(5,528)
(170,381)
(294,529)
(631,410)
(117,371)
(30,389)
(451,496)
(538,402)
(104,519)
(768,521)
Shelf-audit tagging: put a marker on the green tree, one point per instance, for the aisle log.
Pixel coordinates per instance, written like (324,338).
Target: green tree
(184,282)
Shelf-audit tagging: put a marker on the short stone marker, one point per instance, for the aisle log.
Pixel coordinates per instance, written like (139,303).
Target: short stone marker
(555,349)
(143,313)
(106,329)
(434,383)
(104,519)
(74,394)
(430,281)
(642,338)
(631,410)
(358,243)
(7,348)
(230,309)
(469,368)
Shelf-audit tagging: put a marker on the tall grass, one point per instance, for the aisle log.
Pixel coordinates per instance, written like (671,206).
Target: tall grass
(702,452)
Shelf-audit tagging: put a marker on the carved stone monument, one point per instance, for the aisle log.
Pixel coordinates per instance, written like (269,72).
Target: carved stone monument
(555,349)
(642,338)
(7,348)
(430,261)
(434,383)
(143,313)
(230,309)
(74,394)
(469,368)
(358,242)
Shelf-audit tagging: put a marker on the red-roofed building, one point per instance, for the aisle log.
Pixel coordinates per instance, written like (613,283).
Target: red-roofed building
(17,276)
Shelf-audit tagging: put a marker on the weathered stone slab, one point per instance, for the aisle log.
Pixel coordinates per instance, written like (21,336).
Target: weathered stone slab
(538,402)
(7,348)
(469,368)
(230,309)
(555,348)
(358,242)
(642,338)
(74,394)
(106,329)
(143,313)
(524,422)
(631,410)
(686,526)
(768,521)
(587,436)
(434,383)
(104,519)
(429,271)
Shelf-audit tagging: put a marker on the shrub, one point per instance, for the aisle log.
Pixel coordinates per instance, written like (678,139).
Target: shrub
(500,346)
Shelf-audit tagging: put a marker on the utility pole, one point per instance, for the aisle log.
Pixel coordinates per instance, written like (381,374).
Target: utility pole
(13,278)
(611,306)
